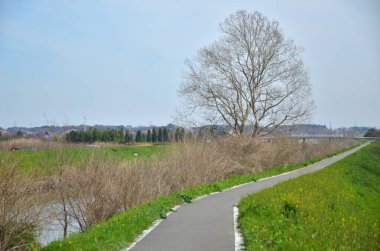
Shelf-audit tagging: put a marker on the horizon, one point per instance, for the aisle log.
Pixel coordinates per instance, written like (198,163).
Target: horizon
(157,126)
(121,62)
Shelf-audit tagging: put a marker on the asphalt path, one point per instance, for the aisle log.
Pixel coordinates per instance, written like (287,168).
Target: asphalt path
(207,223)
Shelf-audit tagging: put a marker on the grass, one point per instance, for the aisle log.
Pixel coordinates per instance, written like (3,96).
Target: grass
(120,231)
(46,161)
(337,208)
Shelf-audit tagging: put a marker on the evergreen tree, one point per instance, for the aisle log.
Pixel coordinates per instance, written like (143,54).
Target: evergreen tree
(372,133)
(149,136)
(106,136)
(154,135)
(81,136)
(182,134)
(160,134)
(72,137)
(126,140)
(177,134)
(138,137)
(88,135)
(95,135)
(171,135)
(165,134)
(130,137)
(118,136)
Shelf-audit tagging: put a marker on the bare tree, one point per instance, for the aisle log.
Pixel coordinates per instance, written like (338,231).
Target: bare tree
(251,75)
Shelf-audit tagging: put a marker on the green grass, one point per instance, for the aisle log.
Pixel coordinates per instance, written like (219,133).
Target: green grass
(120,231)
(337,208)
(46,161)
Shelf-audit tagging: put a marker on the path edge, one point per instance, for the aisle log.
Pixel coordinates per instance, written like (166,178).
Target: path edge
(239,242)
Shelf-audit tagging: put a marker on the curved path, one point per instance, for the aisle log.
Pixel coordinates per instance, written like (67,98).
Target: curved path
(207,223)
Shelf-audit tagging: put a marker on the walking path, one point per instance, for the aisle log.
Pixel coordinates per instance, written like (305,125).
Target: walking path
(208,223)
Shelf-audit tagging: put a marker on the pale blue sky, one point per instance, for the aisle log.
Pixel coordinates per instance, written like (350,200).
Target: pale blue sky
(120,62)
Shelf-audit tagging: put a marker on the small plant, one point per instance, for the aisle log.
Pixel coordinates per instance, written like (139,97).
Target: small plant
(164,212)
(186,198)
(289,209)
(332,205)
(163,215)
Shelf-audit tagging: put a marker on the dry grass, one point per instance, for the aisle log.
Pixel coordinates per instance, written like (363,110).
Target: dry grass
(287,152)
(30,143)
(99,188)
(46,144)
(186,166)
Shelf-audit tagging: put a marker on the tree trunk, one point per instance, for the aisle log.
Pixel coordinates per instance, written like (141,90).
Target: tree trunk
(255,132)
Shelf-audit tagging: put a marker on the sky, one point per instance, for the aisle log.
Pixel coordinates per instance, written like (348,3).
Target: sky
(121,62)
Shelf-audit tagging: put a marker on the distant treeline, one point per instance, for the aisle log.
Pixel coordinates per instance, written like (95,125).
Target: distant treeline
(372,133)
(155,135)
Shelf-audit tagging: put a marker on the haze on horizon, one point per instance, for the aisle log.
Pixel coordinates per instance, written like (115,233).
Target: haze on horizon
(120,62)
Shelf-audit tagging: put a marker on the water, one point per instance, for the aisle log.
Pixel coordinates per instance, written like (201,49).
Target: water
(51,227)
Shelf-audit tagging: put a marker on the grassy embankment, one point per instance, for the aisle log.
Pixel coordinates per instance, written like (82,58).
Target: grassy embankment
(337,208)
(46,161)
(122,229)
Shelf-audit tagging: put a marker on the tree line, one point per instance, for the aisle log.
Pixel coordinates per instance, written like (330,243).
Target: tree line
(154,135)
(372,133)
(93,135)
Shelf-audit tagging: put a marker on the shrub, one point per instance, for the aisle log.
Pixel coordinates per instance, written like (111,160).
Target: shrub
(20,204)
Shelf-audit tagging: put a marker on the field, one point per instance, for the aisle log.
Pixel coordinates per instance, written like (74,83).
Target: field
(337,208)
(47,161)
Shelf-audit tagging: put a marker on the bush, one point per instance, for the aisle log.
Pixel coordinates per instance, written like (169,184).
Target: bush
(20,204)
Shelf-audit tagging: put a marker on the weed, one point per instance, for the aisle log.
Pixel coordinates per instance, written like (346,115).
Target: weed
(289,209)
(186,198)
(163,215)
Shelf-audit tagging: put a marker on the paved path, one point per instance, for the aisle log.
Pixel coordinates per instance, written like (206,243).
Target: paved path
(207,223)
